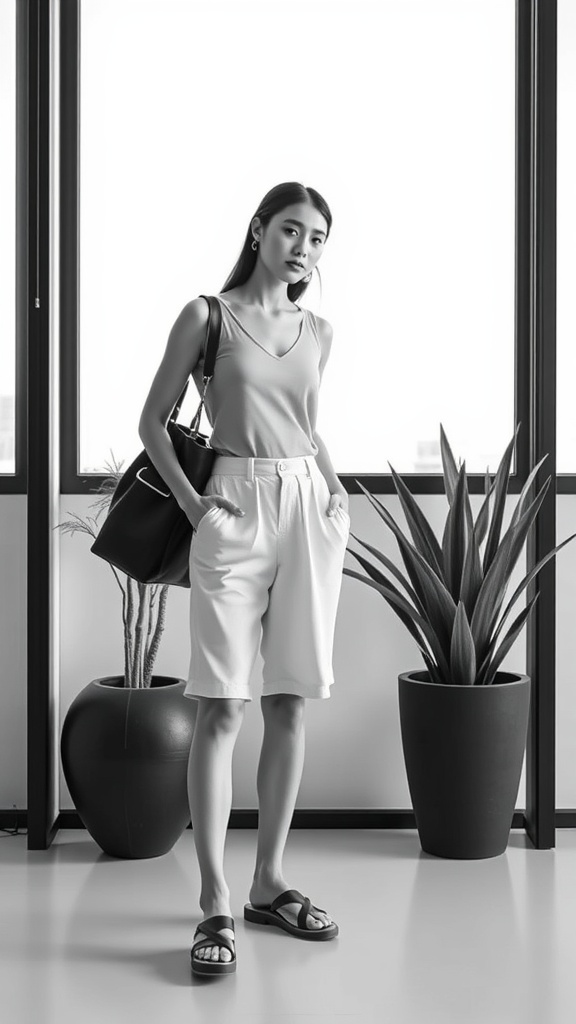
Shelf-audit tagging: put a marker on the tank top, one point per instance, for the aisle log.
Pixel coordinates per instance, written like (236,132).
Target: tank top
(259,404)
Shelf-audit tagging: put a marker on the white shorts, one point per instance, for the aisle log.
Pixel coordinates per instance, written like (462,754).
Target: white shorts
(271,577)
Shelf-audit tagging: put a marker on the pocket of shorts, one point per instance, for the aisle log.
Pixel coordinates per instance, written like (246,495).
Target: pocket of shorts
(341,512)
(211,510)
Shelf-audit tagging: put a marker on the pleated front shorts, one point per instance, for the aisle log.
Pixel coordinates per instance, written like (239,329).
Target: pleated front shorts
(268,580)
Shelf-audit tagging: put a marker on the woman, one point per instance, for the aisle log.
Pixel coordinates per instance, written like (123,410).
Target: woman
(267,553)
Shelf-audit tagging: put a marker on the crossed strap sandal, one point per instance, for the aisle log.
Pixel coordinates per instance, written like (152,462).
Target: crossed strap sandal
(215,938)
(268,914)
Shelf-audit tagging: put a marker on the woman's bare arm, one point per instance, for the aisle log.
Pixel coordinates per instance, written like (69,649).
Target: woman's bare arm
(183,350)
(323,459)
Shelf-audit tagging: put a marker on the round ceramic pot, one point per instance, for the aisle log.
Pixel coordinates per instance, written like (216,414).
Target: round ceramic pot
(125,760)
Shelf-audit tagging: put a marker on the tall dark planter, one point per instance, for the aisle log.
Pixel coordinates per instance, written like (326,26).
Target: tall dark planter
(463,751)
(125,760)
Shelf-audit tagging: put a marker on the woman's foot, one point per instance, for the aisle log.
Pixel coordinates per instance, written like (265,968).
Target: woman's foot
(215,952)
(267,891)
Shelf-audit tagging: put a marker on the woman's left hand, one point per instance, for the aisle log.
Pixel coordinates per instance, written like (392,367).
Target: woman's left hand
(338,498)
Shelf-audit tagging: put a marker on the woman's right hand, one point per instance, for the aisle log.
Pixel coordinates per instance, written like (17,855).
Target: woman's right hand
(196,508)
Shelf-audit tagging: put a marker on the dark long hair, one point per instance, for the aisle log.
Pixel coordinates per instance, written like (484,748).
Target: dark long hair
(276,200)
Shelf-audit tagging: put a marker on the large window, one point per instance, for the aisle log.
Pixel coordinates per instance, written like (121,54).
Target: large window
(400,112)
(7,234)
(566,240)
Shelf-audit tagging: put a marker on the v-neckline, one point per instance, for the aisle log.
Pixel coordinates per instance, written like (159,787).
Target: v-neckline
(252,338)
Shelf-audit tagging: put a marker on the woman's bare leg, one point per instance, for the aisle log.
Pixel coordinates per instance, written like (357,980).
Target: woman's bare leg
(278,781)
(216,729)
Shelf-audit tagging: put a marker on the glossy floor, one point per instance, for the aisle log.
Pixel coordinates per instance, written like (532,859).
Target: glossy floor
(90,939)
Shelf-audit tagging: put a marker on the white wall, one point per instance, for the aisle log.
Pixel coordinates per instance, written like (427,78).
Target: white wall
(353,746)
(566,653)
(13,652)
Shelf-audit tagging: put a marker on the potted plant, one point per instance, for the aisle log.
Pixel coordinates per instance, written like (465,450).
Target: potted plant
(463,721)
(126,738)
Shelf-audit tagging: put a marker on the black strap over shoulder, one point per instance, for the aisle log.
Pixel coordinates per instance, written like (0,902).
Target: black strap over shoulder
(213,334)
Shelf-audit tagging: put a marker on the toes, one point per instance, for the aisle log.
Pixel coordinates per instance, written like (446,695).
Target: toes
(213,953)
(318,922)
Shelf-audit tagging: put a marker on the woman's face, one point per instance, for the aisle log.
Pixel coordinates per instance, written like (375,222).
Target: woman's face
(297,233)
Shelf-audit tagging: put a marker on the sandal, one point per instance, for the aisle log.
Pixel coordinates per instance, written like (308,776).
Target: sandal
(210,928)
(268,914)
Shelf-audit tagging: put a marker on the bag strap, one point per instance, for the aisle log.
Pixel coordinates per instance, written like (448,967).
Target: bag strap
(213,336)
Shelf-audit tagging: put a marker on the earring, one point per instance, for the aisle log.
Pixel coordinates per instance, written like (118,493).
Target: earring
(254,244)
(308,277)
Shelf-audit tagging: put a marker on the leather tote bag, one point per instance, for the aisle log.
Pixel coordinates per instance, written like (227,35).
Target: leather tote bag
(146,534)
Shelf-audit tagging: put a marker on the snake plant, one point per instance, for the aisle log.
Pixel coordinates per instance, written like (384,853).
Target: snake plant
(455,593)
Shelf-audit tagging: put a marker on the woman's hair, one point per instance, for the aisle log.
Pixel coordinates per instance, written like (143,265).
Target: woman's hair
(276,200)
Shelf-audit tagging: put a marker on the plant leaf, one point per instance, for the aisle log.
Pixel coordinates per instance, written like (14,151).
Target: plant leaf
(525,582)
(508,640)
(462,653)
(378,577)
(502,477)
(432,667)
(422,533)
(496,579)
(390,565)
(483,515)
(450,469)
(437,602)
(396,601)
(471,575)
(524,497)
(454,537)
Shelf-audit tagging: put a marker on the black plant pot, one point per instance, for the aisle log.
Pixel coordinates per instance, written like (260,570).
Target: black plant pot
(125,760)
(463,751)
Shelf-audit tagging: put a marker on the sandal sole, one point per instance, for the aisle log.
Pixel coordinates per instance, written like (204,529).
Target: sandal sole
(272,917)
(217,967)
